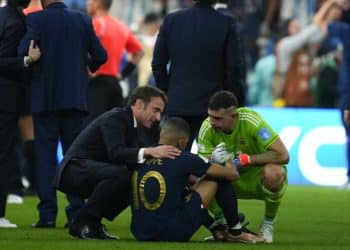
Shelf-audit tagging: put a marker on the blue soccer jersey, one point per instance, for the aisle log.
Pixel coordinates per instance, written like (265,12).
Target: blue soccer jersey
(158,188)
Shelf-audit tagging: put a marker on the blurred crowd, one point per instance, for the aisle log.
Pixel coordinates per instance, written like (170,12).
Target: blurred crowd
(262,24)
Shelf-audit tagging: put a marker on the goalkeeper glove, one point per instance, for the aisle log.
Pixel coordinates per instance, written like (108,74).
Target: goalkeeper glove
(242,160)
(220,155)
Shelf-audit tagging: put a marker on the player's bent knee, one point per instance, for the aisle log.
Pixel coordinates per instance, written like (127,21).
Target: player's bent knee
(206,190)
(273,177)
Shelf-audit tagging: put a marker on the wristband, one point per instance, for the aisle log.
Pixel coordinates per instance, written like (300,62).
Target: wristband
(128,69)
(244,159)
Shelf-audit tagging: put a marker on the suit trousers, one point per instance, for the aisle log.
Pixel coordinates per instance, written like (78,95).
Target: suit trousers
(106,185)
(104,93)
(8,133)
(51,127)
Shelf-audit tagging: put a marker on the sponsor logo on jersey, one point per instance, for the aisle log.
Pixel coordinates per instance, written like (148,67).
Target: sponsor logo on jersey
(264,134)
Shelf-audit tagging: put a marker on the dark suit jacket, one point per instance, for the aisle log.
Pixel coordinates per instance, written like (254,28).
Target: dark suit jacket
(239,88)
(111,138)
(66,39)
(200,45)
(12,29)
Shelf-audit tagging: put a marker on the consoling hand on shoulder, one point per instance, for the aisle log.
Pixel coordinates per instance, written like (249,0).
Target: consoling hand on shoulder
(163,151)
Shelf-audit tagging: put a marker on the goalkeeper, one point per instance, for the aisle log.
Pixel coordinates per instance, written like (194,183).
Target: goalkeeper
(255,148)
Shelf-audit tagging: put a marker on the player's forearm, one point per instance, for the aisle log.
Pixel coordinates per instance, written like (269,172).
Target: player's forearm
(269,157)
(229,172)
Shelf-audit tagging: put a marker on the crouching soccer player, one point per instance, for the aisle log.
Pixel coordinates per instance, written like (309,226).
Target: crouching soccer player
(161,211)
(260,154)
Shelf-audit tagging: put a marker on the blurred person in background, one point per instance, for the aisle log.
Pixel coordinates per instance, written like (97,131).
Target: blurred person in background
(105,91)
(12,77)
(196,54)
(260,81)
(342,31)
(76,5)
(295,54)
(59,93)
(27,149)
(255,19)
(131,12)
(147,35)
(22,175)
(240,91)
(300,10)
(327,61)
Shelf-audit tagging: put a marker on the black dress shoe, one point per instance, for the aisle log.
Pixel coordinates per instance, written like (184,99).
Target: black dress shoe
(44,224)
(103,234)
(85,232)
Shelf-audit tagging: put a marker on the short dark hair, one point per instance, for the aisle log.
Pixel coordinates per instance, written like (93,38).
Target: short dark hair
(222,100)
(175,127)
(106,4)
(145,93)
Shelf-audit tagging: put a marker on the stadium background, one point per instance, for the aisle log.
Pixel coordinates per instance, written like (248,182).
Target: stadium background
(312,216)
(315,138)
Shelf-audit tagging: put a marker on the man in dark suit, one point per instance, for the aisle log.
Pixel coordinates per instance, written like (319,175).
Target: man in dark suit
(200,45)
(240,88)
(96,165)
(59,92)
(12,29)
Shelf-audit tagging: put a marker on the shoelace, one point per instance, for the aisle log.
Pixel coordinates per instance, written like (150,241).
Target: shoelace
(246,230)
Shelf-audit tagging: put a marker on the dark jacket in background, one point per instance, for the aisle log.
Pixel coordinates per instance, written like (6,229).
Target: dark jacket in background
(69,46)
(12,29)
(200,45)
(60,77)
(240,87)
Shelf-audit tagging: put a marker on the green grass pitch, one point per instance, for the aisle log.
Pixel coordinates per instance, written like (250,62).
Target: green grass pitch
(309,218)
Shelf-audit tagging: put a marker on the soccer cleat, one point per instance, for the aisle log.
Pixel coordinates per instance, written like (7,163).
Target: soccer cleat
(240,237)
(219,233)
(4,223)
(223,227)
(266,230)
